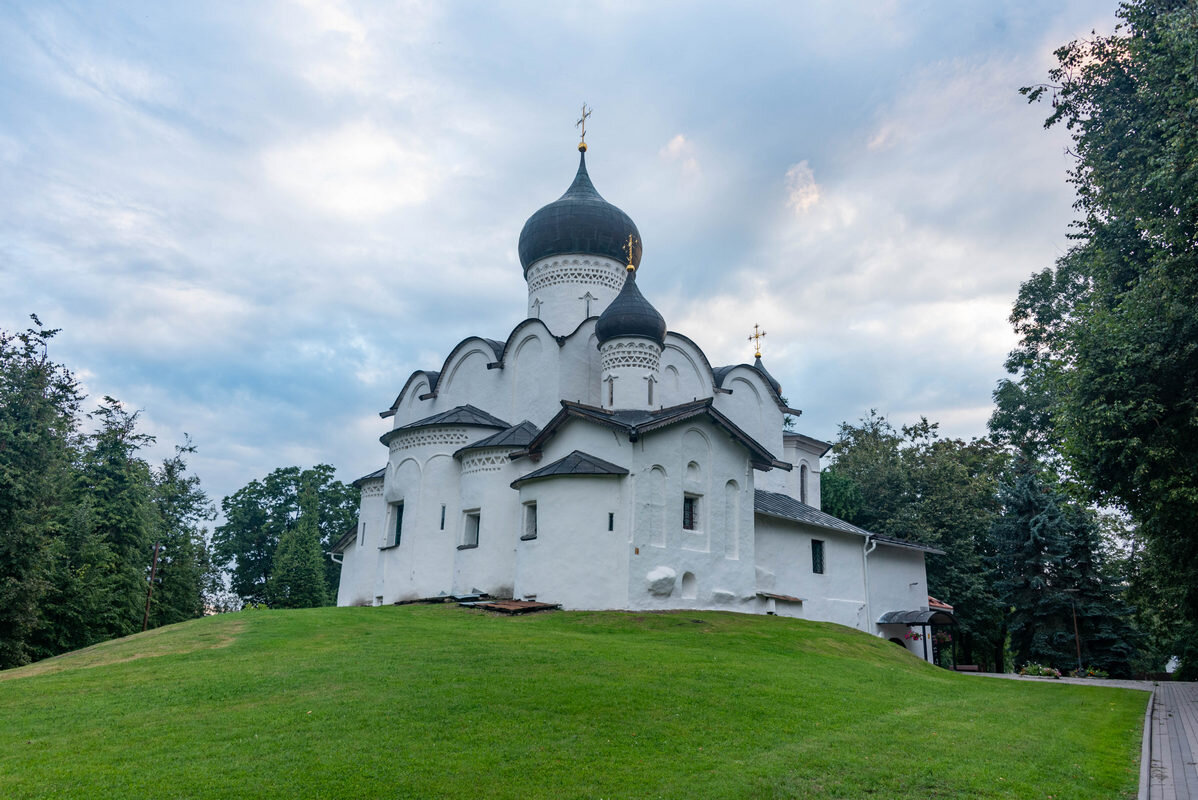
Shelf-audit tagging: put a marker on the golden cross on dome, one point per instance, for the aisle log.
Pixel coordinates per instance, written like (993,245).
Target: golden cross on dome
(756,338)
(582,123)
(628,249)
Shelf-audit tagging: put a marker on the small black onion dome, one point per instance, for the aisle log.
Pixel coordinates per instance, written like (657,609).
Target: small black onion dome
(761,368)
(580,221)
(630,314)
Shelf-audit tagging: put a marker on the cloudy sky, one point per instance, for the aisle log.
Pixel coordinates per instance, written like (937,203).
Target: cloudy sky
(252,221)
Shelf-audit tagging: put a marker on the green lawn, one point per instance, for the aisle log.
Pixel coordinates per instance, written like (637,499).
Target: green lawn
(441,702)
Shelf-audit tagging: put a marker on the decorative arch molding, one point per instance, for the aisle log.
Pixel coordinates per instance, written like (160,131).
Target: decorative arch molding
(748,371)
(695,432)
(748,384)
(691,355)
(515,338)
(462,359)
(580,270)
(523,343)
(403,481)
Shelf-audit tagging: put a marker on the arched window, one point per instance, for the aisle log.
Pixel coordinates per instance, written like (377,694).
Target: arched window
(689,587)
(803,483)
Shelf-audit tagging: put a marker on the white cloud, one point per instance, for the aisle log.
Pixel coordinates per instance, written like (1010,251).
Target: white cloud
(358,171)
(682,152)
(802,192)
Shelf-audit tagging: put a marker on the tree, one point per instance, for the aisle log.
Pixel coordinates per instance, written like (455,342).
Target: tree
(916,486)
(1051,566)
(116,483)
(258,514)
(1109,337)
(39,403)
(184,566)
(297,579)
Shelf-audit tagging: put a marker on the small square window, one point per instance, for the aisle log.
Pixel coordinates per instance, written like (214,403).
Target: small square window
(817,556)
(530,521)
(470,532)
(690,513)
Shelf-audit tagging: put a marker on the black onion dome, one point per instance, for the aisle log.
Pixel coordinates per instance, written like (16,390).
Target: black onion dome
(630,314)
(580,221)
(766,373)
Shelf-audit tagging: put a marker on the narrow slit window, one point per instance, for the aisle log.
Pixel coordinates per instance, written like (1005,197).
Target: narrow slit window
(611,521)
(817,556)
(362,535)
(398,532)
(690,512)
(442,516)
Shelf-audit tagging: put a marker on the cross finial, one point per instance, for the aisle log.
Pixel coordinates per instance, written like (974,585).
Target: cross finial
(582,123)
(628,249)
(756,338)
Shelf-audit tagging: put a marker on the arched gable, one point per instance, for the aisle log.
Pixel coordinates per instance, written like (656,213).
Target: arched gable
(687,371)
(465,362)
(422,381)
(518,335)
(748,400)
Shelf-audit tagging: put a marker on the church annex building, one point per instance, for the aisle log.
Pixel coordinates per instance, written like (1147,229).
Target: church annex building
(595,459)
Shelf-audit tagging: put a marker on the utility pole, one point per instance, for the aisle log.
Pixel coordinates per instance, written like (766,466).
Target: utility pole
(1077,639)
(145,622)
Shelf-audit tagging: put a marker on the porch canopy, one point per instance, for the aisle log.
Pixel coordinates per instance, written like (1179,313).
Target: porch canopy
(923,618)
(932,616)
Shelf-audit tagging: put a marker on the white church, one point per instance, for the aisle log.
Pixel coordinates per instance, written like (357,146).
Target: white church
(594,459)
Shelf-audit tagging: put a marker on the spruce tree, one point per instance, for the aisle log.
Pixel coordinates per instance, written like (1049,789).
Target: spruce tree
(39,402)
(298,579)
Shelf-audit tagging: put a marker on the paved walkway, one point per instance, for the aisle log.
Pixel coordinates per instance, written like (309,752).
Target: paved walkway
(1170,748)
(1173,743)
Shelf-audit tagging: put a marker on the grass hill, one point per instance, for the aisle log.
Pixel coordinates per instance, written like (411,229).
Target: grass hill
(441,702)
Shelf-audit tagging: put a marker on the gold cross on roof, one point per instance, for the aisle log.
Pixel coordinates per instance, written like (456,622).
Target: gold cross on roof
(756,338)
(628,249)
(582,123)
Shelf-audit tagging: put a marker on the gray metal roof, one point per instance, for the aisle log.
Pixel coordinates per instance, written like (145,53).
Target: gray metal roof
(459,415)
(782,506)
(638,423)
(920,617)
(810,441)
(577,463)
(376,475)
(345,541)
(515,437)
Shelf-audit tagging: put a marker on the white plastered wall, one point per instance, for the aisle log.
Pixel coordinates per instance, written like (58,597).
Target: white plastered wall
(485,489)
(684,374)
(799,454)
(359,559)
(558,289)
(783,552)
(575,560)
(898,582)
(712,565)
